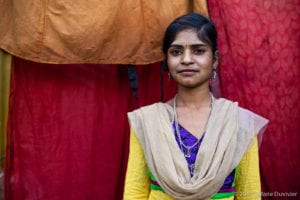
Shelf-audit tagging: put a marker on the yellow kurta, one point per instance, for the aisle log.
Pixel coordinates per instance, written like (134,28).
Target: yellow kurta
(137,183)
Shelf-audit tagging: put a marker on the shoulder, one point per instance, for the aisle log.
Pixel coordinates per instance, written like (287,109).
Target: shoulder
(149,113)
(242,112)
(147,108)
(246,118)
(222,103)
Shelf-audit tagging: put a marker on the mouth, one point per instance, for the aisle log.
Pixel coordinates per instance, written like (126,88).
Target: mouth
(187,72)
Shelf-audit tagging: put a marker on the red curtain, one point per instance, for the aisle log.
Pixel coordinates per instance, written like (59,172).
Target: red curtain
(68,130)
(260,60)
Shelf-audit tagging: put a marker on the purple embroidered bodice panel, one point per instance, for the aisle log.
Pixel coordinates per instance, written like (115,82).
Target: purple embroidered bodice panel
(188,139)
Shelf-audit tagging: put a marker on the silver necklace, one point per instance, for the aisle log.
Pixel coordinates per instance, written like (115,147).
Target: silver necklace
(185,149)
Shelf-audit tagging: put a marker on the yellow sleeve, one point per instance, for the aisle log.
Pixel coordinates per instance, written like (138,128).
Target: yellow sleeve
(248,179)
(137,181)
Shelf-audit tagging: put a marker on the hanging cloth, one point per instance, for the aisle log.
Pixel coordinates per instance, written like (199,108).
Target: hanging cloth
(106,32)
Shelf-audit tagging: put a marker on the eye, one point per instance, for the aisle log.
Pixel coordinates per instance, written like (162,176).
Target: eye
(198,51)
(175,51)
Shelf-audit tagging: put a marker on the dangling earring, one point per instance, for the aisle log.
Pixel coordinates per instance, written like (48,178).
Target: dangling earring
(214,74)
(215,65)
(169,75)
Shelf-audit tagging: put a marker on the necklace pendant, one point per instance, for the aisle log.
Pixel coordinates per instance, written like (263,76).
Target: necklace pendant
(187,153)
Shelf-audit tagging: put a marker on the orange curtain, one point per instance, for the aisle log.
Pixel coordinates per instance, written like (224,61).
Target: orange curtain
(76,31)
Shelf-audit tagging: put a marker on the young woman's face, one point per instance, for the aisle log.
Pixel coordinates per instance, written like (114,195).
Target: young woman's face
(190,60)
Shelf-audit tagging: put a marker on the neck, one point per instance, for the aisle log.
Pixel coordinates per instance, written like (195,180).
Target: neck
(193,99)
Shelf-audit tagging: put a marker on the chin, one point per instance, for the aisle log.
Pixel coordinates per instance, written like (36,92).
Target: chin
(192,85)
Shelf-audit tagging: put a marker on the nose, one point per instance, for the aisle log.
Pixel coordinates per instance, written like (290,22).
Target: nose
(187,57)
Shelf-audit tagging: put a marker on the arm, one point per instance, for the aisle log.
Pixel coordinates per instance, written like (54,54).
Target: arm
(248,178)
(137,182)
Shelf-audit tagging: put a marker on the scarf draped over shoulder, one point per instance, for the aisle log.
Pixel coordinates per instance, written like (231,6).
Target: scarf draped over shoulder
(229,134)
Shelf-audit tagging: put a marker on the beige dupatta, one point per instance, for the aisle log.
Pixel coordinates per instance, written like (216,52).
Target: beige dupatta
(229,134)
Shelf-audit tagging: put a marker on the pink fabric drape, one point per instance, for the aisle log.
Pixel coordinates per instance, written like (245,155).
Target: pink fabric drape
(260,62)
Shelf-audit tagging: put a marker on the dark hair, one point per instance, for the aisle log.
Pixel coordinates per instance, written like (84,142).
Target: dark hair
(204,28)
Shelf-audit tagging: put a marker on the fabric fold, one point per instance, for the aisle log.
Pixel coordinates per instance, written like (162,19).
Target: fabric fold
(75,32)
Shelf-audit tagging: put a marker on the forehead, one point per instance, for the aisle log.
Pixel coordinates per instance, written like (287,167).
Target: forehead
(187,37)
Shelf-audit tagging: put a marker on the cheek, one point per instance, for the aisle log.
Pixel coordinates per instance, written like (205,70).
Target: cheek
(169,63)
(172,63)
(205,62)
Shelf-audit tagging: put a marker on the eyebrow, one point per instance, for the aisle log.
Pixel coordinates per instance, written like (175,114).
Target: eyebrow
(193,45)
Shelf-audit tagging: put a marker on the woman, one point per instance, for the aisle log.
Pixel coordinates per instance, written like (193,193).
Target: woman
(194,146)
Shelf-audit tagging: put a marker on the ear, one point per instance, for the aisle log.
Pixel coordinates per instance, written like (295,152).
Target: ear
(216,59)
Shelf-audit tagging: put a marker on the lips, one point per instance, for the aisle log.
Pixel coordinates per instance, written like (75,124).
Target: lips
(187,72)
